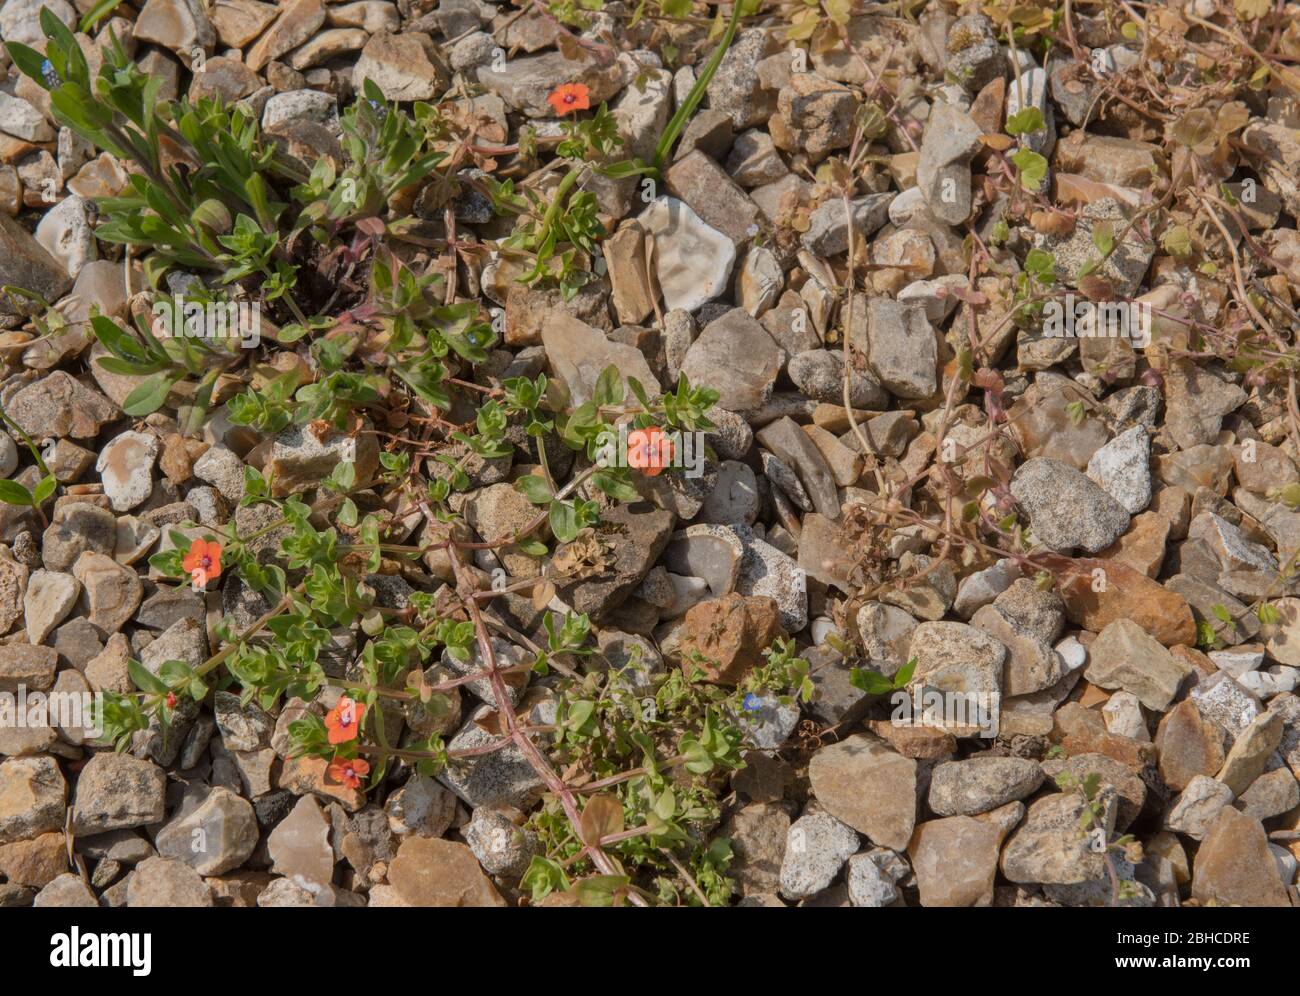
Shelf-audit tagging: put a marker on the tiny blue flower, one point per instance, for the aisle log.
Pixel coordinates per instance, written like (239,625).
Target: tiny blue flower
(51,77)
(752,703)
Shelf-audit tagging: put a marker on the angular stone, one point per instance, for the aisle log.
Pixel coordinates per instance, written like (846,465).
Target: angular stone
(1128,594)
(956,859)
(735,88)
(526,82)
(703,185)
(1125,656)
(873,877)
(116,792)
(66,891)
(35,862)
(501,778)
(1188,745)
(1031,663)
(964,665)
(422,806)
(791,445)
(1284,640)
(578,354)
(816,847)
(1065,508)
(1250,753)
(1142,547)
(300,849)
(50,597)
(630,290)
(758,834)
(901,348)
(626,545)
(58,405)
(298,21)
(216,837)
(112,592)
(982,783)
(1122,469)
(161,882)
(1272,794)
(1234,866)
(1196,401)
(428,872)
(943,172)
(1195,808)
(25,263)
(869,787)
(1130,790)
(238,22)
(737,357)
(301,458)
(692,261)
(1049,846)
(26,667)
(33,798)
(730,634)
(828,226)
(76,528)
(814,116)
(819,373)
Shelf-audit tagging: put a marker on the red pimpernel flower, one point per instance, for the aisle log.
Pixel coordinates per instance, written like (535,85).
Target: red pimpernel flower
(348,771)
(569,98)
(344,720)
(649,450)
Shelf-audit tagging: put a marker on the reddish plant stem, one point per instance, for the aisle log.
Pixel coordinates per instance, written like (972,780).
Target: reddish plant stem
(535,758)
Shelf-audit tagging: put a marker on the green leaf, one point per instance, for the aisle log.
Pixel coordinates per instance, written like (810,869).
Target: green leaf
(1041,265)
(564,521)
(639,391)
(144,679)
(348,513)
(600,890)
(1025,121)
(97,13)
(1033,168)
(609,387)
(29,61)
(533,547)
(13,493)
(903,677)
(544,877)
(1178,241)
(175,673)
(534,488)
(44,488)
(168,563)
(149,396)
(871,682)
(1103,237)
(698,761)
(614,486)
(1195,127)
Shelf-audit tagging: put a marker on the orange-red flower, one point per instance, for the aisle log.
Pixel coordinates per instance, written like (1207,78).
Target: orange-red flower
(344,720)
(348,771)
(203,562)
(570,97)
(649,450)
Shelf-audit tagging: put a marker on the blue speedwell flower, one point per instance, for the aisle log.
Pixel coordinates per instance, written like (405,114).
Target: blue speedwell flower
(751,702)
